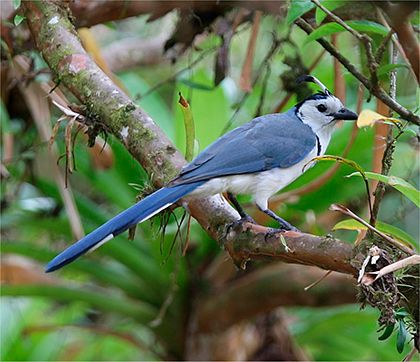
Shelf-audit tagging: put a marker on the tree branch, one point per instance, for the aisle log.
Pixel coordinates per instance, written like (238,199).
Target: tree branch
(108,107)
(373,87)
(224,306)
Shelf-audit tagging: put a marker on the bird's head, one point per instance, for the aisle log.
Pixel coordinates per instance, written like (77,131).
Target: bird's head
(323,108)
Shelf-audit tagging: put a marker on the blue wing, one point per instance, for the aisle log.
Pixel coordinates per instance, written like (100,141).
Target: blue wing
(270,141)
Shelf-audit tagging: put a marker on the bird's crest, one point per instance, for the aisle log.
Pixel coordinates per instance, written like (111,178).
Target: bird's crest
(312,79)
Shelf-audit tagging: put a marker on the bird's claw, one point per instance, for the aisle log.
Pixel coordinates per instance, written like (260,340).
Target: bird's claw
(273,231)
(241,221)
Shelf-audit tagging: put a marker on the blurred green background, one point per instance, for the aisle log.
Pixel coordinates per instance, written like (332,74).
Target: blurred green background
(101,307)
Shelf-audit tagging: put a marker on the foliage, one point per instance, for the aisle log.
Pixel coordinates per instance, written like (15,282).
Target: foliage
(133,299)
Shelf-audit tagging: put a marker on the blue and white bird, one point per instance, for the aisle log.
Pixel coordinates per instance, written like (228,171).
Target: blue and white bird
(259,158)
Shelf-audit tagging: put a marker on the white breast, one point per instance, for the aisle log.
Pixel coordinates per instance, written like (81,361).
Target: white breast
(261,185)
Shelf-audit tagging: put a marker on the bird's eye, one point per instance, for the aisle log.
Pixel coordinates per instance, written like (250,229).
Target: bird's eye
(321,108)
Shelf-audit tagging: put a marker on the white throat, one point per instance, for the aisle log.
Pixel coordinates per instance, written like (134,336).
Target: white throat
(322,131)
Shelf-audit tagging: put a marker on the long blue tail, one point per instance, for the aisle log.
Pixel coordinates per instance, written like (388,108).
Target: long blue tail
(143,210)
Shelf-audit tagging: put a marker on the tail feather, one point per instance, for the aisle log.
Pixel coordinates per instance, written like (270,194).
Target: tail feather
(143,210)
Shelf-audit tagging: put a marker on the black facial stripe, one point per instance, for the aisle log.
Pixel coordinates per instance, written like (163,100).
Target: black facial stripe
(318,146)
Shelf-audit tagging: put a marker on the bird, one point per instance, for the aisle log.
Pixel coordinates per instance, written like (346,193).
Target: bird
(258,158)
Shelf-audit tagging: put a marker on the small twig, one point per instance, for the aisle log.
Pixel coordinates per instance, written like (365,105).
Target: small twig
(176,74)
(344,210)
(338,20)
(259,110)
(365,39)
(316,282)
(274,47)
(376,91)
(394,41)
(400,264)
(389,149)
(284,101)
(410,356)
(383,46)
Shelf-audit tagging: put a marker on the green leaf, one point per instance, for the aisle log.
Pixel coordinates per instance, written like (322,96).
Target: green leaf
(398,183)
(195,85)
(347,162)
(387,332)
(133,287)
(387,68)
(297,9)
(4,118)
(401,313)
(111,25)
(401,336)
(16,4)
(399,234)
(109,302)
(330,5)
(359,25)
(18,19)
(189,128)
(211,110)
(366,26)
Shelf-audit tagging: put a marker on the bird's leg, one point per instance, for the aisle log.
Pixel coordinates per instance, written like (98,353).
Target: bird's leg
(284,225)
(244,216)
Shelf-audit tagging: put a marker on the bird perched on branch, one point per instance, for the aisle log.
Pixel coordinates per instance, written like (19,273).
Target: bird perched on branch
(259,158)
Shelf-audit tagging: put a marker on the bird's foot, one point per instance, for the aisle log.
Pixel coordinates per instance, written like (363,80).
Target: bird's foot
(243,220)
(274,231)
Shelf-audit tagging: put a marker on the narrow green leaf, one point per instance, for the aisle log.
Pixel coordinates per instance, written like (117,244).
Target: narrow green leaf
(398,183)
(195,85)
(391,230)
(387,68)
(4,118)
(359,25)
(110,276)
(104,301)
(189,128)
(18,19)
(387,332)
(330,5)
(350,163)
(297,9)
(324,30)
(401,336)
(401,313)
(366,26)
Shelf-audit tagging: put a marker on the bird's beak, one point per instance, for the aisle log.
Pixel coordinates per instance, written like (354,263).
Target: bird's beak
(345,115)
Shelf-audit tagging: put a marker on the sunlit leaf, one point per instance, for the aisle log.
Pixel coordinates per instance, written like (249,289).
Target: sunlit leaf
(397,233)
(297,9)
(368,117)
(18,19)
(398,183)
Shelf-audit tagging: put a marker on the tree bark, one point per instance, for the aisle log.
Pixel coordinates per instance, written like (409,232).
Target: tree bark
(108,107)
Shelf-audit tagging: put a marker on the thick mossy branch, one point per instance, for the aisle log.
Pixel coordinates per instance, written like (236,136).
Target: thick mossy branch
(56,39)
